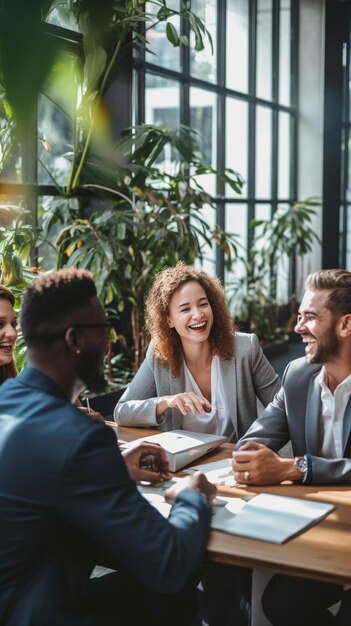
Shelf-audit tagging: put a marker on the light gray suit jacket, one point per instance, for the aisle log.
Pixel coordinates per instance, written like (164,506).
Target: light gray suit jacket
(246,376)
(294,415)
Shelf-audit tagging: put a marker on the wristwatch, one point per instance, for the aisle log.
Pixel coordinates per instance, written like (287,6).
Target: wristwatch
(300,462)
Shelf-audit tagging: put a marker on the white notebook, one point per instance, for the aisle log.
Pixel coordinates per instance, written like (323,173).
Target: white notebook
(183,447)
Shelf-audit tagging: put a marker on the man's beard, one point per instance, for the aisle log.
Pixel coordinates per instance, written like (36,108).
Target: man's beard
(90,370)
(327,349)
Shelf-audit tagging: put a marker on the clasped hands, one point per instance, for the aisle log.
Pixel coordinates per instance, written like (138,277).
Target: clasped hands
(256,464)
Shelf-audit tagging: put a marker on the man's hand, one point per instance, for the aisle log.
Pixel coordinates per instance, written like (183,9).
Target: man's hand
(147,462)
(198,482)
(255,464)
(94,415)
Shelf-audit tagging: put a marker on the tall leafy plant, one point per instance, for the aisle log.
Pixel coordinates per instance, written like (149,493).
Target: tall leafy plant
(127,244)
(288,235)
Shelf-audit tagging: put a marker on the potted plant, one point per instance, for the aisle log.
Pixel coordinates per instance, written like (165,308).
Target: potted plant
(254,300)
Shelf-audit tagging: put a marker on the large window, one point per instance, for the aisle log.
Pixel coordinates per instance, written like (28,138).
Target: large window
(242,100)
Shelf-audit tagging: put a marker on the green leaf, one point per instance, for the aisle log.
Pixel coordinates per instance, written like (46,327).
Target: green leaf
(172,34)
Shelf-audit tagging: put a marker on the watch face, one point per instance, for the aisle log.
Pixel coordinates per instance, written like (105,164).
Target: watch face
(301,464)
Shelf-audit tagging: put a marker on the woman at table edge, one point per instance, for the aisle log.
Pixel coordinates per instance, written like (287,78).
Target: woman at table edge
(8,334)
(199,373)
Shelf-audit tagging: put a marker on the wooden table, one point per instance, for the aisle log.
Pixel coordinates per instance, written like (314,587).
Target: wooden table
(322,552)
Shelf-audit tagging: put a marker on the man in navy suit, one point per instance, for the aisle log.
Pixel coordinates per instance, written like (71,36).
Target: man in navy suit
(67,495)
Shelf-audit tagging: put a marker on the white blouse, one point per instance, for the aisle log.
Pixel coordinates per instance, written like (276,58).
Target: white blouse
(215,422)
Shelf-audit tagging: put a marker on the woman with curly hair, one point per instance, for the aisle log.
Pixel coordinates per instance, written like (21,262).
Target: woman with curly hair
(8,334)
(199,373)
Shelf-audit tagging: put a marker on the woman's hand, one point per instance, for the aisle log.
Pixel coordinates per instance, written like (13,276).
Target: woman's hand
(187,402)
(147,462)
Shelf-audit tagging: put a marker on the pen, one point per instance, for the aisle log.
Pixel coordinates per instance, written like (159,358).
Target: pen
(151,463)
(88,405)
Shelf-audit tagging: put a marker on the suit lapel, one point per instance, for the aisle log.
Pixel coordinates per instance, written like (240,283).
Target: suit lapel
(177,385)
(229,376)
(312,417)
(346,427)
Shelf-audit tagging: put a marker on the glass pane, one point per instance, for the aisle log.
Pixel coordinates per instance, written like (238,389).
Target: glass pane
(162,107)
(164,54)
(348,156)
(236,216)
(161,101)
(263,211)
(348,240)
(57,106)
(284,156)
(208,214)
(203,119)
(284,52)
(237,139)
(203,63)
(237,53)
(263,152)
(264,49)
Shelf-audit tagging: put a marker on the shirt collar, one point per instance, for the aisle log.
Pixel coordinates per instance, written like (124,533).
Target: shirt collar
(322,380)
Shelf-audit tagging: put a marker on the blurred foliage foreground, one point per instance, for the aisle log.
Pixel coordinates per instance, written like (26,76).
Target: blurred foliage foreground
(125,211)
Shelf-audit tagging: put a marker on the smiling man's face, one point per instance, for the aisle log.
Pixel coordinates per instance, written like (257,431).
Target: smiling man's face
(316,325)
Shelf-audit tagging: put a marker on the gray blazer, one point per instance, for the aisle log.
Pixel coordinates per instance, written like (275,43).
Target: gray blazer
(246,376)
(294,415)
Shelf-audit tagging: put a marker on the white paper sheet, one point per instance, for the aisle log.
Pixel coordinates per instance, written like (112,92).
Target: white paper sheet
(218,472)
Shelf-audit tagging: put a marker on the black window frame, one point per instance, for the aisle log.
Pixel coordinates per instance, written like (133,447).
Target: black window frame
(142,66)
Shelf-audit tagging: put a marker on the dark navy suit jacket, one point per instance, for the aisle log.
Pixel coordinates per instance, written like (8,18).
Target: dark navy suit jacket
(64,493)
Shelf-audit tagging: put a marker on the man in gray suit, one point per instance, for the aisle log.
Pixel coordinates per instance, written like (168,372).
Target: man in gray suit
(313,411)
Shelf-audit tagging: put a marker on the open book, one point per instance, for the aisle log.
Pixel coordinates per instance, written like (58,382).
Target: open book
(266,517)
(269,517)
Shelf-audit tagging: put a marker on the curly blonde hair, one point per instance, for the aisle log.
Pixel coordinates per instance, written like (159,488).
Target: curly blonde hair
(8,370)
(166,342)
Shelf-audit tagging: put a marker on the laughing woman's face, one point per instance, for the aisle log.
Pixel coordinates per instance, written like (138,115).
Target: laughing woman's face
(190,313)
(8,332)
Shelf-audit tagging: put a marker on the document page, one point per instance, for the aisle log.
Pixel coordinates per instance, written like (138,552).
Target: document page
(269,517)
(217,472)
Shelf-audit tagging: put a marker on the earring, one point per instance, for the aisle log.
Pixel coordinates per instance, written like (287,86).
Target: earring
(78,351)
